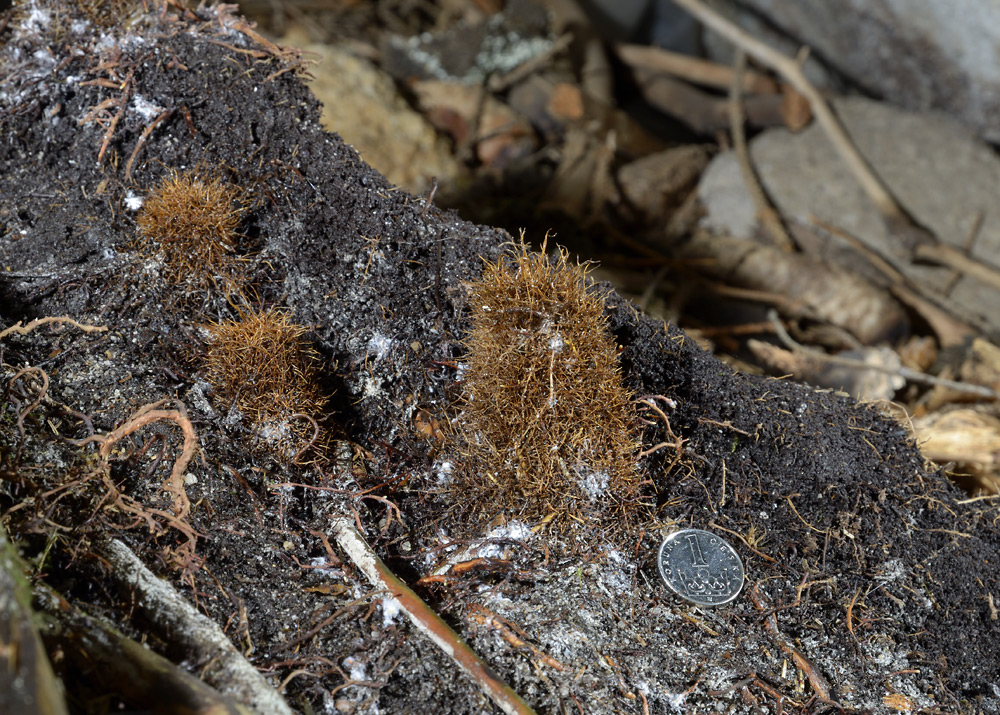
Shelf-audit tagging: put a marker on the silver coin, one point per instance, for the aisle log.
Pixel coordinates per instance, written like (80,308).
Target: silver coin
(700,567)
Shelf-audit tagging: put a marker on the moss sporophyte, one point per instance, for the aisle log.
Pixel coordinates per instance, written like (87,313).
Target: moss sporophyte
(547,428)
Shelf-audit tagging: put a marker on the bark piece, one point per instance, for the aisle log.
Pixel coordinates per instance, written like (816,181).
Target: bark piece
(27,684)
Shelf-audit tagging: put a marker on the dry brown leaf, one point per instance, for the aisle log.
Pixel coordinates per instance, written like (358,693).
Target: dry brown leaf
(582,183)
(795,109)
(864,384)
(566,102)
(982,364)
(949,330)
(919,352)
(898,702)
(657,184)
(810,287)
(968,437)
(467,113)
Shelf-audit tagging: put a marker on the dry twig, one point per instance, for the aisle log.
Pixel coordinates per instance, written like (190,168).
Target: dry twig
(765,210)
(693,69)
(426,620)
(226,669)
(859,364)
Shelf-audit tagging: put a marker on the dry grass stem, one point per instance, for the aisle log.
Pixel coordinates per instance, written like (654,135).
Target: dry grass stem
(426,620)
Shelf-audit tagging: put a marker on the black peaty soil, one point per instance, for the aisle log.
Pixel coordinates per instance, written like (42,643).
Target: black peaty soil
(881,578)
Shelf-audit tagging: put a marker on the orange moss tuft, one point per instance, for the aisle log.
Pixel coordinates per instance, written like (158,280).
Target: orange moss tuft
(57,15)
(262,364)
(108,13)
(548,426)
(193,220)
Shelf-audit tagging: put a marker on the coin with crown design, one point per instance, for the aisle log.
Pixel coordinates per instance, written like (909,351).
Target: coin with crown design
(700,567)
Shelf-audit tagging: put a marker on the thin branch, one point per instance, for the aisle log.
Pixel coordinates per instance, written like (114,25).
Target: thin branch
(859,364)
(953,258)
(693,69)
(426,620)
(765,210)
(227,669)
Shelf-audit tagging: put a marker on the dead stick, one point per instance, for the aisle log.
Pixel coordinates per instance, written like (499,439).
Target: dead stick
(956,260)
(859,364)
(897,218)
(227,669)
(120,665)
(765,210)
(693,69)
(426,620)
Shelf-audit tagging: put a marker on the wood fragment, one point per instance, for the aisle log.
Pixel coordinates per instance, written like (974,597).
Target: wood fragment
(126,668)
(27,684)
(426,620)
(225,667)
(952,325)
(806,285)
(693,69)
(907,373)
(500,83)
(703,112)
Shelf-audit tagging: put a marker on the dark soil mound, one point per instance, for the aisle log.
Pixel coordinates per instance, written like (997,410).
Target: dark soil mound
(870,579)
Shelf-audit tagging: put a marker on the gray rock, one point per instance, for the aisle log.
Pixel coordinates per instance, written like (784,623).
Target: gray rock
(939,171)
(920,54)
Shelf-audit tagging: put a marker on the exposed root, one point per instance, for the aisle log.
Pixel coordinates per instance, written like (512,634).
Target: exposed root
(20,329)
(148,414)
(42,391)
(184,556)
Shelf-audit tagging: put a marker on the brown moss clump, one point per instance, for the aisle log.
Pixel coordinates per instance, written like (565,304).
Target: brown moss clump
(193,220)
(548,426)
(262,365)
(108,13)
(57,15)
